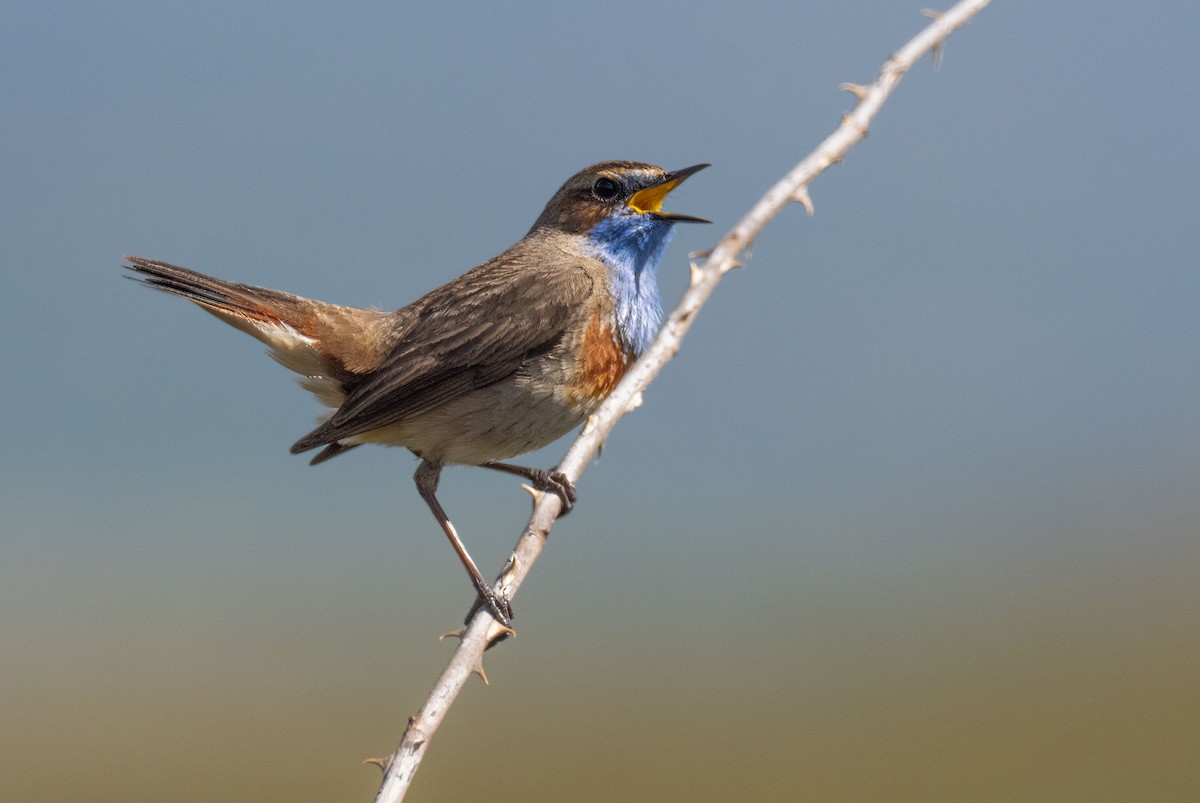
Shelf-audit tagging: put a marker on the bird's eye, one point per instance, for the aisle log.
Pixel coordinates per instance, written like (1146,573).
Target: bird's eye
(606,189)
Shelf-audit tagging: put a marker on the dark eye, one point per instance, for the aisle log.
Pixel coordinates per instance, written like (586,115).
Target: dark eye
(606,189)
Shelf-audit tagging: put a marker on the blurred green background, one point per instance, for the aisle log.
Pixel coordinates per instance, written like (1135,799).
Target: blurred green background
(913,516)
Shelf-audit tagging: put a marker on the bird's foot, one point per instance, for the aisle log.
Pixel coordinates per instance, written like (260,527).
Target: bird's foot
(496,605)
(555,482)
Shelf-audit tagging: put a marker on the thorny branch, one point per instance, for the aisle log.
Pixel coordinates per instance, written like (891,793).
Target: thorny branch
(483,631)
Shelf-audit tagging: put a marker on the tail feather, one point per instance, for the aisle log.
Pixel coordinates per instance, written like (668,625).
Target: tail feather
(325,343)
(287,324)
(255,304)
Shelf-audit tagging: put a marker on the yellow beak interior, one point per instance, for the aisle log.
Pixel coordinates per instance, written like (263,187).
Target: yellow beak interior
(650,200)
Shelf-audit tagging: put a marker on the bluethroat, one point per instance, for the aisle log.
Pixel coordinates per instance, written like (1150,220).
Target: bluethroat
(500,361)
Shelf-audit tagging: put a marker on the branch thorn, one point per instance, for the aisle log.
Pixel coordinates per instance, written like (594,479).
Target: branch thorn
(511,566)
(802,197)
(496,634)
(935,15)
(378,762)
(857,90)
(534,492)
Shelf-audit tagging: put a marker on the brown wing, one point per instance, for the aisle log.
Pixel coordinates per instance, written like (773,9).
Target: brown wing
(467,334)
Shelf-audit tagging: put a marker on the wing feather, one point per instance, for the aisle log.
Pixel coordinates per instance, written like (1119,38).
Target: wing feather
(467,334)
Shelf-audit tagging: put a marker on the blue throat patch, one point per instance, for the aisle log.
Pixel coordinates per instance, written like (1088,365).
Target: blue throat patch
(632,245)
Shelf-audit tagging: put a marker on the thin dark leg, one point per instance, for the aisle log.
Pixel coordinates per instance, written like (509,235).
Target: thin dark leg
(427,482)
(552,481)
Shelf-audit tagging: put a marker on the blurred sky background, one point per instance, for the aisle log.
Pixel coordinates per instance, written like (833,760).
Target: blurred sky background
(914,515)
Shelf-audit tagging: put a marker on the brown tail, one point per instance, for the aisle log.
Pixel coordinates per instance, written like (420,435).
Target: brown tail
(231,301)
(325,343)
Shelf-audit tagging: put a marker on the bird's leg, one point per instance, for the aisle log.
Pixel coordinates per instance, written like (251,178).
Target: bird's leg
(426,478)
(553,481)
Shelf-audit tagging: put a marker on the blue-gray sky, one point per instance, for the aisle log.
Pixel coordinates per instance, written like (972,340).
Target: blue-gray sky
(914,511)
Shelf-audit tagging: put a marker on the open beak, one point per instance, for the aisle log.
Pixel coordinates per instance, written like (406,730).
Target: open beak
(648,201)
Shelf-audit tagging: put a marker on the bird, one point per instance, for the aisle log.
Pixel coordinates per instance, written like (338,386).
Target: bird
(502,360)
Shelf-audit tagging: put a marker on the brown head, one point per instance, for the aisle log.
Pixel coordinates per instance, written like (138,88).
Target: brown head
(613,188)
